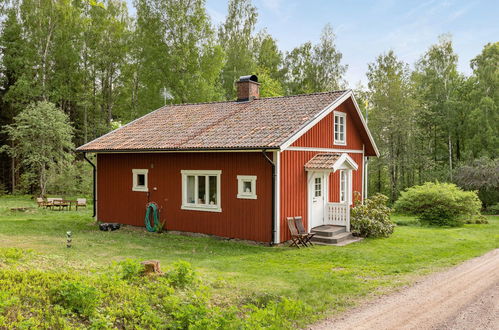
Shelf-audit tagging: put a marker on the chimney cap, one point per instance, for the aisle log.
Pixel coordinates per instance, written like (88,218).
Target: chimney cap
(252,77)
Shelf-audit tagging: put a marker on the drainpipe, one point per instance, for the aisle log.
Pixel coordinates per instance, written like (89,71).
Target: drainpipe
(93,187)
(273,196)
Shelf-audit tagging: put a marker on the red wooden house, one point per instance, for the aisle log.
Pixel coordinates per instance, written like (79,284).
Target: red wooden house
(237,169)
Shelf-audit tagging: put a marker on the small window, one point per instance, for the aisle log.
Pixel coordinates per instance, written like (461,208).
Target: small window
(139,180)
(343,186)
(340,128)
(201,190)
(318,187)
(246,186)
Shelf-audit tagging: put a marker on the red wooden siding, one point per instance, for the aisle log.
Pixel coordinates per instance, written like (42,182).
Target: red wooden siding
(321,135)
(240,218)
(294,186)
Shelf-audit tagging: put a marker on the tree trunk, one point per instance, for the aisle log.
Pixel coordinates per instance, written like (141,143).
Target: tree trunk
(85,124)
(450,158)
(13,172)
(43,181)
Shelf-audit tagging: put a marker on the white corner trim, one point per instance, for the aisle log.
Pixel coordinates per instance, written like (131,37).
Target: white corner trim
(350,151)
(363,172)
(135,186)
(277,217)
(345,159)
(318,117)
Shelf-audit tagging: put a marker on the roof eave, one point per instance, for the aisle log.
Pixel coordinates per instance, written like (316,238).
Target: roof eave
(174,150)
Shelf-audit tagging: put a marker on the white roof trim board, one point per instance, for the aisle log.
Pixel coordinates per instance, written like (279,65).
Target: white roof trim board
(345,159)
(326,111)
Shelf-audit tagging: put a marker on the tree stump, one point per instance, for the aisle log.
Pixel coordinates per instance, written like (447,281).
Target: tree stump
(151,267)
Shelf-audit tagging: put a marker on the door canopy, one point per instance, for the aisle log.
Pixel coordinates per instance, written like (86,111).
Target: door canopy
(331,162)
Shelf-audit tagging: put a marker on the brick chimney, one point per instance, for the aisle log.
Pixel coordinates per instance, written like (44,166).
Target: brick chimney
(248,88)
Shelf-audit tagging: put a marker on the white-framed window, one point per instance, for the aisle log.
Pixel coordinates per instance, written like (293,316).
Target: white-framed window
(343,186)
(201,190)
(246,186)
(139,180)
(340,128)
(318,187)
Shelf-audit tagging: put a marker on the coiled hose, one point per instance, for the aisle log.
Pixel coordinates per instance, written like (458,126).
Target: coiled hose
(154,208)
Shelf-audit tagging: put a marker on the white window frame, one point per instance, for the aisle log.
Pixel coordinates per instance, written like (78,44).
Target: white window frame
(317,185)
(195,206)
(240,187)
(347,186)
(135,181)
(343,115)
(343,186)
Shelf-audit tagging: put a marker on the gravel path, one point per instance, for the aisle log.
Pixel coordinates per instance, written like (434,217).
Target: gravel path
(463,297)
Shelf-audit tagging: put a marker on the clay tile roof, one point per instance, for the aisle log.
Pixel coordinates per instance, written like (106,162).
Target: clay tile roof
(322,161)
(258,124)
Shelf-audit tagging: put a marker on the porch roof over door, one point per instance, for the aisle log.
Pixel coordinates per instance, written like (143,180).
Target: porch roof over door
(331,162)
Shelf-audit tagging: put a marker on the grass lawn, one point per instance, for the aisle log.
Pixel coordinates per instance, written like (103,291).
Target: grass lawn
(323,280)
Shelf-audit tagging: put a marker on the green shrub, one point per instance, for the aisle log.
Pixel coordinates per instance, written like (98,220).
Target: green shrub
(479,219)
(493,209)
(372,219)
(481,175)
(439,204)
(181,275)
(76,297)
(11,255)
(73,179)
(7,301)
(130,269)
(276,315)
(261,299)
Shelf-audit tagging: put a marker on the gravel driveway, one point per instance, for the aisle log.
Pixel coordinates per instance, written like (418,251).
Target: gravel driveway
(463,297)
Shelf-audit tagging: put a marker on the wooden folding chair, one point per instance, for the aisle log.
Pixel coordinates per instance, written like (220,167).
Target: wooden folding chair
(81,202)
(296,238)
(41,202)
(306,236)
(50,202)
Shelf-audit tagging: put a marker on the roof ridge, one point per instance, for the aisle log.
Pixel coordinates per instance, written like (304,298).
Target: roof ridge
(263,98)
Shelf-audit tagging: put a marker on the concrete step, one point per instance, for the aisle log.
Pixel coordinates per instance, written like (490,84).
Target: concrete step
(338,238)
(342,243)
(328,230)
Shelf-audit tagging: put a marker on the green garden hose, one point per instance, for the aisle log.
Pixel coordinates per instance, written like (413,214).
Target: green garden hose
(154,208)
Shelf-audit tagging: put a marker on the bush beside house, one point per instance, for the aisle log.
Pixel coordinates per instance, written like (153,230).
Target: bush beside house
(439,204)
(372,219)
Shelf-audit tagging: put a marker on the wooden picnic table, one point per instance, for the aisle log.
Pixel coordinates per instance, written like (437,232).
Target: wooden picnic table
(62,203)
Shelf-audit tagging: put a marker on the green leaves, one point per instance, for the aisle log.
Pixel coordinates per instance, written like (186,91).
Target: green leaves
(440,204)
(372,219)
(315,68)
(41,138)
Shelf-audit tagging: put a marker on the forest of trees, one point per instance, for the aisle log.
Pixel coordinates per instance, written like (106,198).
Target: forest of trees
(104,67)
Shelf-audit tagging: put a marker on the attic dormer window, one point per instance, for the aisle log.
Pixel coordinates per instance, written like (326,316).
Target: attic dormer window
(340,128)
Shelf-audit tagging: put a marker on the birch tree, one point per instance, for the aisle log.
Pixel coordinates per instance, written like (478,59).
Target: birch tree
(42,136)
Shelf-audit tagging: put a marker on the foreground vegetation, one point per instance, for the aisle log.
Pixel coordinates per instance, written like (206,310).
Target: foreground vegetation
(45,284)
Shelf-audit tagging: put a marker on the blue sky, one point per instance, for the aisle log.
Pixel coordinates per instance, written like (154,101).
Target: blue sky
(365,29)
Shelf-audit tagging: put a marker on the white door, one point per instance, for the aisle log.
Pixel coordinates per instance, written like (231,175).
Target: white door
(317,189)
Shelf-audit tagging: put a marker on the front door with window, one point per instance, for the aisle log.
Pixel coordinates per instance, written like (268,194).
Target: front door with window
(317,189)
